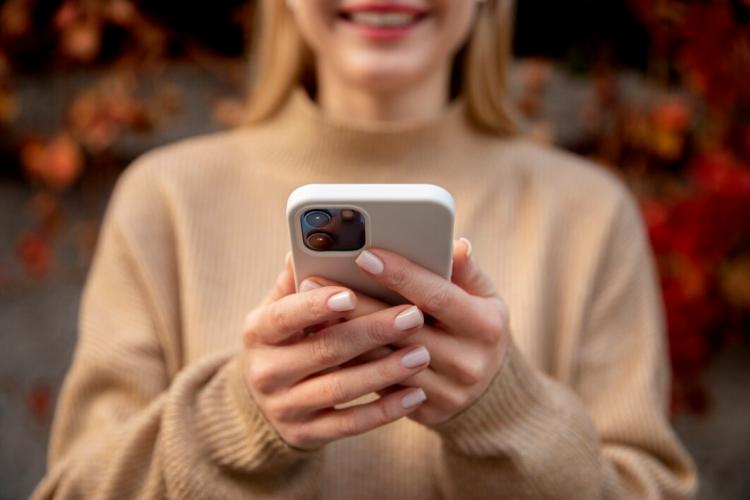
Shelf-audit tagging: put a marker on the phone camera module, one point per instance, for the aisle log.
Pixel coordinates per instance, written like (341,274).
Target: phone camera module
(319,241)
(317,218)
(333,229)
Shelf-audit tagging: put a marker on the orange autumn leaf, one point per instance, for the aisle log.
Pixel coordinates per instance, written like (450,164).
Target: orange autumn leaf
(39,401)
(8,106)
(66,14)
(57,163)
(15,18)
(735,281)
(122,12)
(99,114)
(34,252)
(46,210)
(82,41)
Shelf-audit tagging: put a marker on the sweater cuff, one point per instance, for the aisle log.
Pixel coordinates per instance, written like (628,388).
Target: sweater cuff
(263,437)
(240,436)
(515,399)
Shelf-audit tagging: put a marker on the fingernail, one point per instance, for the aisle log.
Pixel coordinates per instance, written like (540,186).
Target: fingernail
(408,319)
(413,398)
(343,301)
(468,246)
(308,285)
(416,358)
(370,262)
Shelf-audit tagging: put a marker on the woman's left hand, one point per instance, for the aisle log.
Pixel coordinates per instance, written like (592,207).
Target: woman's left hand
(467,338)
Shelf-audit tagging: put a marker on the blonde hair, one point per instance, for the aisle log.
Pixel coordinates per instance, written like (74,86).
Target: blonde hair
(283,60)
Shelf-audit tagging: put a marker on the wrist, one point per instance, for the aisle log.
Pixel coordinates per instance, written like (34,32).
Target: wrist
(514,391)
(260,435)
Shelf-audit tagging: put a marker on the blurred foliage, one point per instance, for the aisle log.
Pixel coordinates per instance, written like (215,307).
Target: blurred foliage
(685,150)
(688,157)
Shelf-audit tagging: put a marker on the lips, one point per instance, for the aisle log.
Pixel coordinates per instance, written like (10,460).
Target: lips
(383,16)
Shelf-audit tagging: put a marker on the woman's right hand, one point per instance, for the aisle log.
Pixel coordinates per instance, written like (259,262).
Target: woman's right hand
(292,376)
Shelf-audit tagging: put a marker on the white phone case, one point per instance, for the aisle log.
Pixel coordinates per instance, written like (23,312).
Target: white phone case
(413,220)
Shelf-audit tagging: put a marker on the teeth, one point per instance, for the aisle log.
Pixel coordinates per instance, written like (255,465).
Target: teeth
(383,19)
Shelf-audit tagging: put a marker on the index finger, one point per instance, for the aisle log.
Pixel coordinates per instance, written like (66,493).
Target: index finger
(433,294)
(275,322)
(365,304)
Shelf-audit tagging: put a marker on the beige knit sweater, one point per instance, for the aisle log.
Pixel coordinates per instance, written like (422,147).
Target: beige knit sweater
(154,404)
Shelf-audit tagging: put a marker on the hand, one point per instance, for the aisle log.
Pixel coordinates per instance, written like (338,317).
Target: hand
(289,373)
(467,341)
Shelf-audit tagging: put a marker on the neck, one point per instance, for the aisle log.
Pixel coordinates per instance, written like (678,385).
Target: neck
(343,149)
(339,99)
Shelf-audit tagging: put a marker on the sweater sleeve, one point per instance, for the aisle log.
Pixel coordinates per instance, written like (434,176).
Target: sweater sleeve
(606,434)
(128,425)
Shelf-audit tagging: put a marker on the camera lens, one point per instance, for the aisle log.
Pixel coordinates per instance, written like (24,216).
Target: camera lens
(317,218)
(348,215)
(319,241)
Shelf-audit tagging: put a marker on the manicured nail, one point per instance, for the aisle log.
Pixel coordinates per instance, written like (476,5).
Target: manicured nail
(415,358)
(370,262)
(408,319)
(468,246)
(343,301)
(308,285)
(413,398)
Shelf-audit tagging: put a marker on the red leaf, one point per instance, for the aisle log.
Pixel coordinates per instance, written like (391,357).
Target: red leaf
(39,401)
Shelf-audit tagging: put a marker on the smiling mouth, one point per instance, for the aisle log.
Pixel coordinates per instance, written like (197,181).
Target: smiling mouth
(383,16)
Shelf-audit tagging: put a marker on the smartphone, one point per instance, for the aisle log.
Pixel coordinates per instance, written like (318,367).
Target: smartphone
(330,224)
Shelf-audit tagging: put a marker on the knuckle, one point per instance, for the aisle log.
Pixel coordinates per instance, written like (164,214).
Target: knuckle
(248,328)
(455,398)
(385,371)
(276,410)
(280,281)
(493,334)
(334,391)
(297,435)
(261,377)
(496,319)
(470,373)
(397,278)
(313,304)
(383,413)
(278,318)
(377,331)
(437,300)
(349,424)
(324,349)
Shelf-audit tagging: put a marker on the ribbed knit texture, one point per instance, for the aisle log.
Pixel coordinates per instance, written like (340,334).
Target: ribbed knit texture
(155,404)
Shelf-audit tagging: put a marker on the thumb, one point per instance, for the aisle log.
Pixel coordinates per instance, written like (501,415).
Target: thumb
(466,271)
(284,284)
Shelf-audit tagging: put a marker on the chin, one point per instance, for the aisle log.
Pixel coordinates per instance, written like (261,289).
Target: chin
(385,72)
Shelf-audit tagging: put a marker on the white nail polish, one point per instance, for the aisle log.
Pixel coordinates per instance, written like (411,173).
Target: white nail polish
(413,398)
(415,358)
(343,301)
(408,319)
(370,262)
(308,285)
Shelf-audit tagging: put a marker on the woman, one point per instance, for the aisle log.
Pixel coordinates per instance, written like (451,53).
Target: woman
(542,375)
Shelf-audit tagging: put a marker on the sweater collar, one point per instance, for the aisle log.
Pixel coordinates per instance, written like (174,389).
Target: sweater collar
(313,140)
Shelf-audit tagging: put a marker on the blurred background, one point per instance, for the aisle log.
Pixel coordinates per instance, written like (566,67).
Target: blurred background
(658,91)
